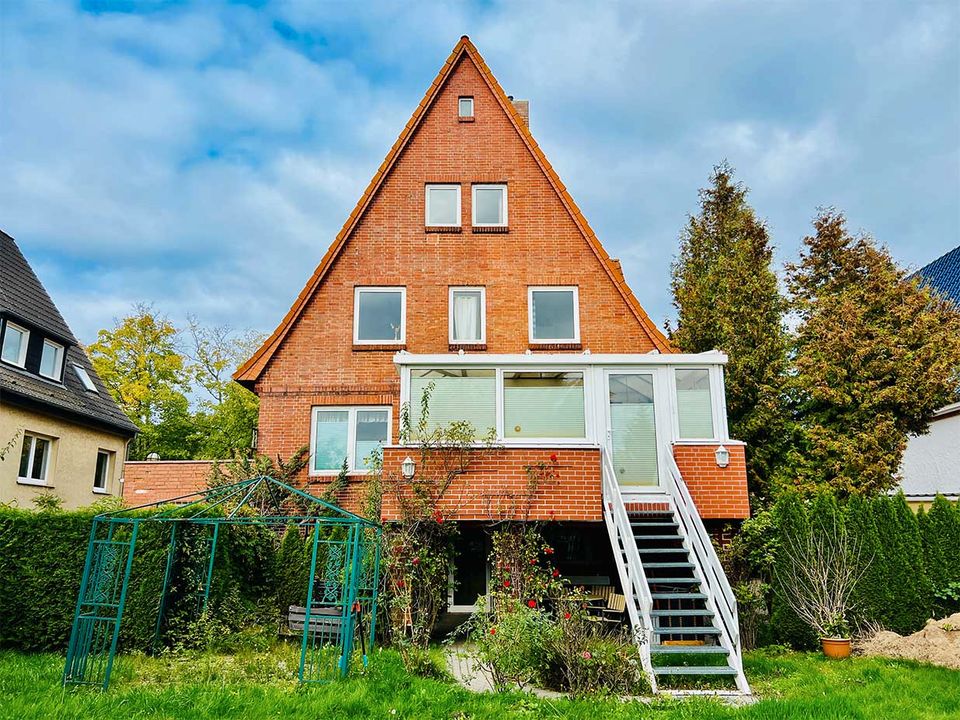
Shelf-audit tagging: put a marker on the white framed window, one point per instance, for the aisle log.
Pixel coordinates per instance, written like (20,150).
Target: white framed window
(350,433)
(489,205)
(51,360)
(15,340)
(554,314)
(442,205)
(465,107)
(458,395)
(85,379)
(34,460)
(379,315)
(468,315)
(543,404)
(102,473)
(695,407)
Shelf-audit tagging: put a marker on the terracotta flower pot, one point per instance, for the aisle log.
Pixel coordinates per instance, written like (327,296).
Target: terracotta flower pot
(836,648)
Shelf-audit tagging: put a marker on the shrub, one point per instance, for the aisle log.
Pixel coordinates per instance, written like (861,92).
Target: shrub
(940,535)
(510,643)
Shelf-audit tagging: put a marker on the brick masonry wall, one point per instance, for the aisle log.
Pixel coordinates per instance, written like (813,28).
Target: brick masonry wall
(148,482)
(317,364)
(719,493)
(495,485)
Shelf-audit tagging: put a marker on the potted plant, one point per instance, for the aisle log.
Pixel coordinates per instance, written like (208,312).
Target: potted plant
(835,640)
(817,573)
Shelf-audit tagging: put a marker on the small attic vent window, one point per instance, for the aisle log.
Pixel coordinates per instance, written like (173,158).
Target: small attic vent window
(85,378)
(466,107)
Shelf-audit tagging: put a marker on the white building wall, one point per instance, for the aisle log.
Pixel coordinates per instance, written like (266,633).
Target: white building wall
(931,463)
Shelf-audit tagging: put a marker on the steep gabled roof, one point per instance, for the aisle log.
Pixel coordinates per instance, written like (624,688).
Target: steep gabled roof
(943,275)
(250,371)
(23,297)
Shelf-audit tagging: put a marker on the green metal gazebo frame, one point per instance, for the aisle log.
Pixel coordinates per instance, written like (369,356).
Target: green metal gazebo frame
(347,545)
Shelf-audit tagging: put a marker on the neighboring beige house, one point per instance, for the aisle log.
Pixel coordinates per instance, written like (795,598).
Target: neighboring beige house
(62,431)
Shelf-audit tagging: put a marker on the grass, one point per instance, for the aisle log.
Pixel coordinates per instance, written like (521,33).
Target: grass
(263,685)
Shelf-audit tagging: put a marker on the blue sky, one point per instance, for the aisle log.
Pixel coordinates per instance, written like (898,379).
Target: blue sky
(201,156)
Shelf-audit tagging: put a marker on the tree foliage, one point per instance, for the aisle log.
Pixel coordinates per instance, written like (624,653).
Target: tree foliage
(181,398)
(875,354)
(727,298)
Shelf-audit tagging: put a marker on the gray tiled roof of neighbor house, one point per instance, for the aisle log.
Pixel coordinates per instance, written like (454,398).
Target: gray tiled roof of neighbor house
(943,275)
(23,297)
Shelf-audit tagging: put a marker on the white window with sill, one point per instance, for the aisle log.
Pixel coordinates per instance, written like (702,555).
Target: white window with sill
(465,107)
(379,315)
(15,340)
(101,475)
(554,315)
(51,360)
(442,206)
(346,433)
(489,205)
(468,310)
(34,460)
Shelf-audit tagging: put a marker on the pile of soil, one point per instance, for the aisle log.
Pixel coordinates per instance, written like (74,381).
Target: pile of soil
(938,643)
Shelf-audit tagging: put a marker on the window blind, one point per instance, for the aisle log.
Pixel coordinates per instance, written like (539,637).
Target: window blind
(458,395)
(633,429)
(543,405)
(694,404)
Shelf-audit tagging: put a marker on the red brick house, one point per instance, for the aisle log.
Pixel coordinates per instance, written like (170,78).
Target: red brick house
(466,264)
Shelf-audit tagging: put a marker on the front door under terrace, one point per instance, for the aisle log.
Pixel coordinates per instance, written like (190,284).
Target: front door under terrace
(632,428)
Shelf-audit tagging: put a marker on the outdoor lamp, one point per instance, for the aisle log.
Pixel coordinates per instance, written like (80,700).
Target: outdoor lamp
(408,467)
(723,456)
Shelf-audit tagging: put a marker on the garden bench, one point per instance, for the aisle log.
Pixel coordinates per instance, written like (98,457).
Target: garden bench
(324,621)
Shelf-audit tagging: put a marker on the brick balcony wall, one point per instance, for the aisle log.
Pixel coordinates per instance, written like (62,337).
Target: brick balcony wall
(147,481)
(494,485)
(719,493)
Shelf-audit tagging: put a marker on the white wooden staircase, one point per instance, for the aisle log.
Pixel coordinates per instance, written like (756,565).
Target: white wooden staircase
(679,602)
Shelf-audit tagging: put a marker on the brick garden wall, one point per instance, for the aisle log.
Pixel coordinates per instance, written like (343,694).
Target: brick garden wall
(147,482)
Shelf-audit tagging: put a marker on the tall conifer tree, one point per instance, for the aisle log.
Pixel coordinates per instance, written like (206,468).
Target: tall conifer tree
(727,298)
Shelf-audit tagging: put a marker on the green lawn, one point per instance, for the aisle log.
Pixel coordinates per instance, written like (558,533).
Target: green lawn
(263,686)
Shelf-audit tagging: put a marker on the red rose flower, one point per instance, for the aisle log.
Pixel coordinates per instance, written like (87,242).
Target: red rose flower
(416,561)
(400,584)
(587,655)
(533,561)
(531,603)
(566,616)
(506,567)
(556,573)
(493,631)
(506,583)
(548,550)
(553,458)
(438,517)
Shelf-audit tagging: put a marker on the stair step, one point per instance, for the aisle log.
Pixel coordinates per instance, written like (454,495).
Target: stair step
(668,564)
(688,650)
(695,670)
(681,613)
(656,523)
(678,596)
(662,551)
(672,580)
(656,537)
(687,630)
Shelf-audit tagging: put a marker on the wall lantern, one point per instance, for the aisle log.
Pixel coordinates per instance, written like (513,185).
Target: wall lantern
(153,457)
(723,456)
(408,467)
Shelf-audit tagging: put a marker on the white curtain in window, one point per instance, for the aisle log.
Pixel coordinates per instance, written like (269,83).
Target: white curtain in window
(466,316)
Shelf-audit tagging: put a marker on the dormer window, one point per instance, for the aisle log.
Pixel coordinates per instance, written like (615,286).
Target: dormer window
(15,339)
(51,361)
(465,107)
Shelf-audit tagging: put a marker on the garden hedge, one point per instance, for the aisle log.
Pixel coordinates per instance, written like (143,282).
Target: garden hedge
(41,564)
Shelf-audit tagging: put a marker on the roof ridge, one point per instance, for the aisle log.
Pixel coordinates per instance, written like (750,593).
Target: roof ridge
(251,370)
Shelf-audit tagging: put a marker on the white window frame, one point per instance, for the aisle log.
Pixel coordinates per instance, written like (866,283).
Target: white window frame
(22,360)
(576,314)
(460,99)
(473,204)
(105,490)
(717,406)
(58,370)
(403,314)
(351,411)
(483,314)
(45,470)
(81,372)
(426,204)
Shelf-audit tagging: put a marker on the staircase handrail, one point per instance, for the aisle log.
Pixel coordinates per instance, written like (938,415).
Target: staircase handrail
(632,576)
(711,570)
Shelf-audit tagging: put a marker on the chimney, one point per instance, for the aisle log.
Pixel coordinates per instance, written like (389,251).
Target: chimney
(523,108)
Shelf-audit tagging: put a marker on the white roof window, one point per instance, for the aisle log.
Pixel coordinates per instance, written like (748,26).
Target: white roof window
(85,378)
